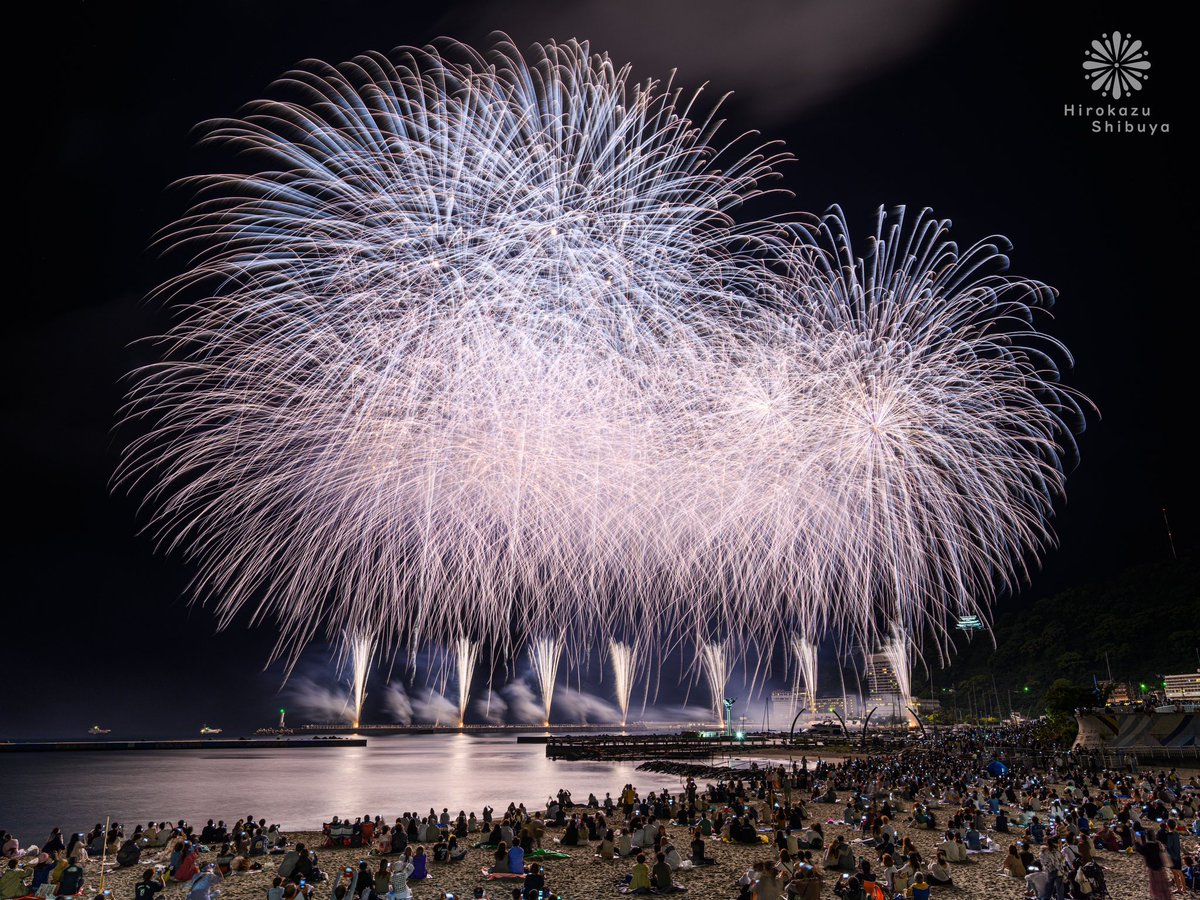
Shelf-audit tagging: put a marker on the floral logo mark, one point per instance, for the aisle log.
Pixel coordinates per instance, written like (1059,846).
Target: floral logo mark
(1116,65)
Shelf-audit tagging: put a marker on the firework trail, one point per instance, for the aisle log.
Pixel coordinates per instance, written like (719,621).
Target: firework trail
(805,652)
(360,651)
(622,656)
(478,348)
(716,670)
(466,652)
(544,655)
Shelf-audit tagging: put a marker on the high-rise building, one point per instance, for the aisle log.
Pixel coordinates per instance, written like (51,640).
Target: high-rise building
(881,676)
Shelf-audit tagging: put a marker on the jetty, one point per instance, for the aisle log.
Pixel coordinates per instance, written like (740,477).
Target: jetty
(197,744)
(663,746)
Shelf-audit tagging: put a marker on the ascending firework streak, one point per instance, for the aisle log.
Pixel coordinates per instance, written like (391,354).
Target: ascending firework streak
(544,654)
(716,670)
(805,652)
(360,648)
(466,651)
(897,652)
(479,349)
(622,657)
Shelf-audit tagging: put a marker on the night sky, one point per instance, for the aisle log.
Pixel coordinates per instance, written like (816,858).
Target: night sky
(954,106)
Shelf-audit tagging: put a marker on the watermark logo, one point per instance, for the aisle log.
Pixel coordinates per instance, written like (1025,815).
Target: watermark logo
(1117,65)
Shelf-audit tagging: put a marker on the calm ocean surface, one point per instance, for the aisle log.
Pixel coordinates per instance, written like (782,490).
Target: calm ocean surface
(296,788)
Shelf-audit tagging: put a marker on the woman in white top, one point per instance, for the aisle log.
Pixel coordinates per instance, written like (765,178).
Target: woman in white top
(402,868)
(939,872)
(625,843)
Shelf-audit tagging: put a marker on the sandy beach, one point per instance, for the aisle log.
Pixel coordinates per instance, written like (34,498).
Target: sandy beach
(585,876)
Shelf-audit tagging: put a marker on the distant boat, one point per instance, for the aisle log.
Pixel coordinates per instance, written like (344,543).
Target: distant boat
(207,730)
(96,729)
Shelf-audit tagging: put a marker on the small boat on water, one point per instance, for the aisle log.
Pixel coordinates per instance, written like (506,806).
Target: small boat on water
(206,730)
(96,729)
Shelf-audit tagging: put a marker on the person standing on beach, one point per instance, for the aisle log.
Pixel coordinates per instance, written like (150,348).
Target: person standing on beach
(1157,865)
(1055,867)
(1168,836)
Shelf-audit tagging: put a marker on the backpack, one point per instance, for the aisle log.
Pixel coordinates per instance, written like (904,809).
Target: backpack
(1082,885)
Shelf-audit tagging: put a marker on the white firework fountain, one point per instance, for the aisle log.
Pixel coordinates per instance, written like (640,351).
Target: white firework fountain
(805,652)
(544,654)
(897,652)
(360,648)
(622,655)
(466,652)
(716,670)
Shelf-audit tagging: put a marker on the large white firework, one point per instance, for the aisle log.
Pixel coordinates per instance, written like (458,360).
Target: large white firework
(476,353)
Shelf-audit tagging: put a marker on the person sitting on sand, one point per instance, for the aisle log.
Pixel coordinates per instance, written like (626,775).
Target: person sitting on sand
(402,869)
(535,883)
(608,846)
(894,878)
(500,864)
(973,839)
(516,859)
(953,848)
(152,882)
(306,866)
(420,864)
(363,878)
(939,870)
(639,882)
(840,856)
(570,836)
(70,881)
(41,872)
(849,888)
(674,860)
(1013,867)
(12,882)
(814,837)
(625,843)
(661,876)
(189,862)
(698,848)
(919,889)
(204,883)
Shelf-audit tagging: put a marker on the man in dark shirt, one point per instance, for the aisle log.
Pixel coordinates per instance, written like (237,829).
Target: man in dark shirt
(55,843)
(535,881)
(662,875)
(150,885)
(363,880)
(71,881)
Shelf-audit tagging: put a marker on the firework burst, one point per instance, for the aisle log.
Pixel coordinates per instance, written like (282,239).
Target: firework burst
(477,353)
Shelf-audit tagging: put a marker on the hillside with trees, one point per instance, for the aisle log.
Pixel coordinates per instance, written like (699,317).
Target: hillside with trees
(1141,625)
